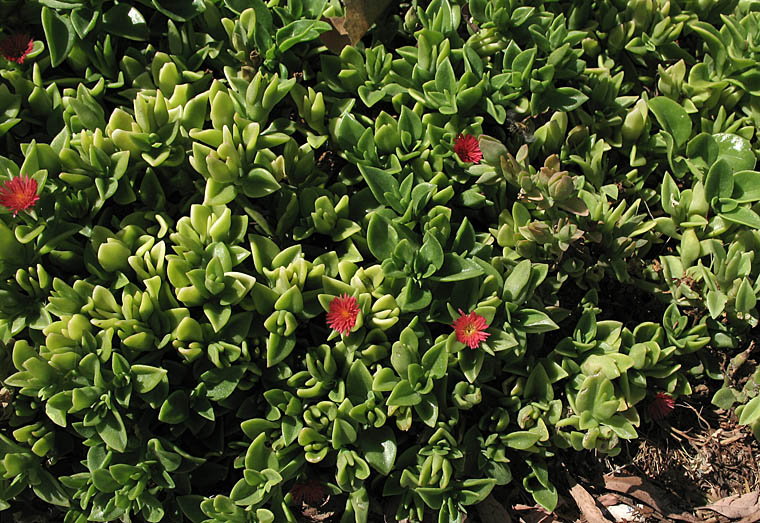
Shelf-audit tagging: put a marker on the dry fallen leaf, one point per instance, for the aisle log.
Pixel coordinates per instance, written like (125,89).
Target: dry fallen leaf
(607,500)
(585,503)
(644,491)
(737,506)
(349,29)
(534,514)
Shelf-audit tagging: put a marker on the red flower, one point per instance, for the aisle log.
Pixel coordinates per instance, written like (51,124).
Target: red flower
(343,312)
(467,148)
(15,47)
(470,328)
(660,406)
(19,193)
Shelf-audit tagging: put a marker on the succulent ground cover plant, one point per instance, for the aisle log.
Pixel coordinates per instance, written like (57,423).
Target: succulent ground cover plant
(240,272)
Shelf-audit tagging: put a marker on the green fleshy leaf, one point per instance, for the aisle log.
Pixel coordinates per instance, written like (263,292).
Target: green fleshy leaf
(146,377)
(736,150)
(59,33)
(742,216)
(113,432)
(403,395)
(279,348)
(672,118)
(299,31)
(175,408)
(750,412)
(180,10)
(83,19)
(457,268)
(564,99)
(533,321)
(520,439)
(126,21)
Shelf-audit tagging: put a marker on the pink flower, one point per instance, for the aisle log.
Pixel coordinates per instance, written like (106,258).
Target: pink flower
(15,47)
(470,329)
(661,406)
(467,148)
(19,193)
(343,313)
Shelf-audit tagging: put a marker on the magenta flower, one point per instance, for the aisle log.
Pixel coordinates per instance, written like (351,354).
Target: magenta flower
(467,148)
(661,406)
